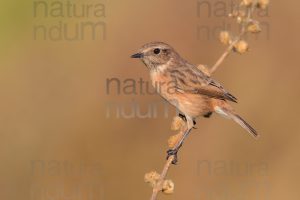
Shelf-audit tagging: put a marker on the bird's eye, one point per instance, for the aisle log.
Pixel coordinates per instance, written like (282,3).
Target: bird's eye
(156,51)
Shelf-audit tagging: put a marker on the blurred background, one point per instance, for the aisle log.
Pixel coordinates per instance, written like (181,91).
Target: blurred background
(71,127)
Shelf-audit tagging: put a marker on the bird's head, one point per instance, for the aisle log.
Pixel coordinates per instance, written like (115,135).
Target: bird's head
(155,54)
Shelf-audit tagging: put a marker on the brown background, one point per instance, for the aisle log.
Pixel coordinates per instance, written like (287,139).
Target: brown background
(54,103)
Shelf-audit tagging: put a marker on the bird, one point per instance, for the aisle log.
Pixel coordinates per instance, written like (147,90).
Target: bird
(188,88)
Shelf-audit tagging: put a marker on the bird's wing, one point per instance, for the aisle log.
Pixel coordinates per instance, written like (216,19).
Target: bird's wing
(190,79)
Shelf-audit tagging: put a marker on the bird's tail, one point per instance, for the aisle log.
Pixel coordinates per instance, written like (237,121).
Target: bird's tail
(229,113)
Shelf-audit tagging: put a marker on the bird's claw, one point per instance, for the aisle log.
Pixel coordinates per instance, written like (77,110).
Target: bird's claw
(173,152)
(183,117)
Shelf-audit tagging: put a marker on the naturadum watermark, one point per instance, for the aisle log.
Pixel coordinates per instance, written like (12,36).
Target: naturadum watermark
(63,179)
(252,176)
(220,9)
(66,20)
(132,108)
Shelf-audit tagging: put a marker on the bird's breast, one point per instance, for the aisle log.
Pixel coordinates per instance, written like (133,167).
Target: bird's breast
(160,81)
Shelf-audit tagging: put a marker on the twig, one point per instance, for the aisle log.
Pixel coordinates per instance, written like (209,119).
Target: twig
(223,56)
(158,187)
(159,184)
(231,46)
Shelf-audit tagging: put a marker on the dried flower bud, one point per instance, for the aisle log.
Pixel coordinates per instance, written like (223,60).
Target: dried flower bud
(168,187)
(263,4)
(234,13)
(247,2)
(173,140)
(151,178)
(177,124)
(254,27)
(239,19)
(225,37)
(241,47)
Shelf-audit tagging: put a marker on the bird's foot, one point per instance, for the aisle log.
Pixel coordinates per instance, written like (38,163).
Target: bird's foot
(184,119)
(173,152)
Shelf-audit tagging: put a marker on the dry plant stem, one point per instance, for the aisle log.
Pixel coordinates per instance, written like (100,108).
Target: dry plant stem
(223,56)
(231,46)
(159,184)
(158,187)
(226,53)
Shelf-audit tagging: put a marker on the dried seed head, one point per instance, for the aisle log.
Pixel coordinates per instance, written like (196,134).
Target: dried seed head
(234,13)
(263,4)
(239,19)
(168,187)
(254,27)
(225,37)
(247,2)
(177,124)
(241,47)
(173,140)
(151,178)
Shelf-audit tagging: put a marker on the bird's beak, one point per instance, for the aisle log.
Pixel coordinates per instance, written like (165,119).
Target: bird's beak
(137,55)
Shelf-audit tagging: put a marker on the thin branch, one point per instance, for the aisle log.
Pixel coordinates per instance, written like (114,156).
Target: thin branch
(231,46)
(159,185)
(223,56)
